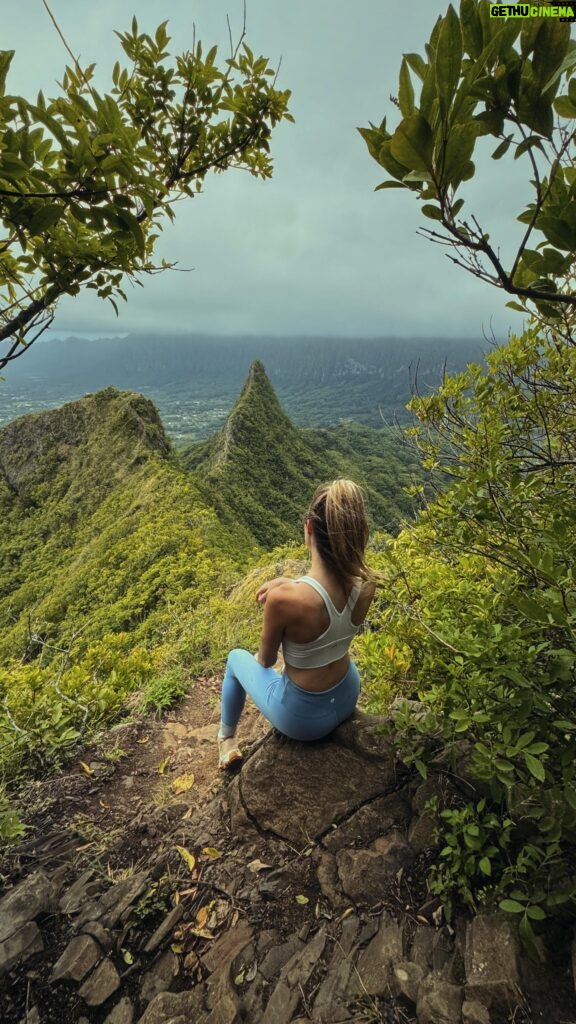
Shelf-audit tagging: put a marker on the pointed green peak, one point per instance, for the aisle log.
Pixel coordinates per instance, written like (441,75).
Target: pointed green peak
(258,407)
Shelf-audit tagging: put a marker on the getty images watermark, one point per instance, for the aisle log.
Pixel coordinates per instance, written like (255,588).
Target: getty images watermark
(566,12)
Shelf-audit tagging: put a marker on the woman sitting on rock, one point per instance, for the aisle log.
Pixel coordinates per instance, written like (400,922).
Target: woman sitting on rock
(314,619)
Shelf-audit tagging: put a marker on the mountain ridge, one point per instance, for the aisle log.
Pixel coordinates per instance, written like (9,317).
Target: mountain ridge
(40,444)
(194,379)
(263,470)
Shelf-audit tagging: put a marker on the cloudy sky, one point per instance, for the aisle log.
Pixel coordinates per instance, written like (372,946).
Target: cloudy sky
(315,250)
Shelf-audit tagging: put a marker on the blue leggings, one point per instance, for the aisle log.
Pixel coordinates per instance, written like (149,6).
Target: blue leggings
(295,712)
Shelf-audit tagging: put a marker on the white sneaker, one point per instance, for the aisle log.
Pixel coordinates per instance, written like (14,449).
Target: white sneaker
(228,752)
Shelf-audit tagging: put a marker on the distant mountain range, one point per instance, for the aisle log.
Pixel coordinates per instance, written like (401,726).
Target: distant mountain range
(195,379)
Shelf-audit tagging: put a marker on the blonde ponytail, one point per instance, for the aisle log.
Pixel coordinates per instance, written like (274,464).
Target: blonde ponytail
(341,530)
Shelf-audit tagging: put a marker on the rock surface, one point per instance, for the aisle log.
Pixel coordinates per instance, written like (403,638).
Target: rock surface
(301,900)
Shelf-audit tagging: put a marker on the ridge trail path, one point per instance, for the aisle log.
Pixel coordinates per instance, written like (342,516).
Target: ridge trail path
(146,766)
(152,888)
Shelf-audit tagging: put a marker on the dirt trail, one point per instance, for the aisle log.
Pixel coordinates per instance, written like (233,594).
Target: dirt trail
(95,806)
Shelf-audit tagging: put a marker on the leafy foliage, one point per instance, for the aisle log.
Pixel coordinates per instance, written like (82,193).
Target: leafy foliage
(510,79)
(479,614)
(86,178)
(119,582)
(478,619)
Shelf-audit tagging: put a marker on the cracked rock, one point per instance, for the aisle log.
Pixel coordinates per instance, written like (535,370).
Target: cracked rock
(175,1008)
(101,984)
(474,1013)
(123,1013)
(364,874)
(439,1002)
(376,962)
(343,777)
(492,962)
(33,896)
(293,978)
(79,957)
(20,945)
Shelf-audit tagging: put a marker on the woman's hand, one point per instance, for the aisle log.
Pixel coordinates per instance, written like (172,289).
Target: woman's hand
(278,665)
(265,589)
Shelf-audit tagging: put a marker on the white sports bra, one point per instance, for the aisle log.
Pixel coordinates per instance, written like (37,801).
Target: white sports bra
(334,642)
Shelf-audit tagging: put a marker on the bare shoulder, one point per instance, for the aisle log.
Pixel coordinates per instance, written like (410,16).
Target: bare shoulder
(286,596)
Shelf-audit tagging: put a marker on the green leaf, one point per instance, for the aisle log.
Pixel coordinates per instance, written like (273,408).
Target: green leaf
(558,232)
(458,153)
(389,184)
(405,91)
(485,866)
(389,163)
(502,149)
(532,609)
(570,796)
(568,64)
(535,767)
(428,94)
(550,50)
(130,222)
(5,61)
(412,142)
(512,906)
(418,65)
(472,36)
(528,938)
(46,217)
(448,61)
(432,212)
(536,112)
(564,106)
(525,740)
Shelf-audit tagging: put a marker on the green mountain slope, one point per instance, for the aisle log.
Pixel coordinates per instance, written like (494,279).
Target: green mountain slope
(101,527)
(123,569)
(261,470)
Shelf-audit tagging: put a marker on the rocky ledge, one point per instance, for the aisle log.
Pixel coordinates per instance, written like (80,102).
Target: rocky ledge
(296,894)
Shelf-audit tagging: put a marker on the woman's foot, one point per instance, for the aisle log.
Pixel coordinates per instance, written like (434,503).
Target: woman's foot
(228,752)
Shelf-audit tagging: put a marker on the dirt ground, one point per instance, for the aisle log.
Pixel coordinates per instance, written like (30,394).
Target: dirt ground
(94,807)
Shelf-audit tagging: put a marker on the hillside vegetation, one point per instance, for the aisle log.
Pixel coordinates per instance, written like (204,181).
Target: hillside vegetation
(127,567)
(122,562)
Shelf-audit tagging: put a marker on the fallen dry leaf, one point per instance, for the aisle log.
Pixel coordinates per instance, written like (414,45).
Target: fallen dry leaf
(211,852)
(188,858)
(183,783)
(203,914)
(202,933)
(258,865)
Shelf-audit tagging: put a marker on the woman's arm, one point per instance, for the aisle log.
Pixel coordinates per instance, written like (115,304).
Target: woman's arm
(276,614)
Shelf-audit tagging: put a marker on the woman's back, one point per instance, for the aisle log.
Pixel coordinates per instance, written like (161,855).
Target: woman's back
(321,618)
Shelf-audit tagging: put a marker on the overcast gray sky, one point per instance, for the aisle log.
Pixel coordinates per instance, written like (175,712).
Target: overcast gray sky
(315,250)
